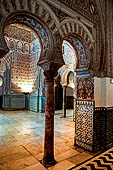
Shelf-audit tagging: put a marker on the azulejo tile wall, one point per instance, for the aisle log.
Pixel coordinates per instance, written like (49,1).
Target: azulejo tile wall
(84,124)
(109,129)
(94,126)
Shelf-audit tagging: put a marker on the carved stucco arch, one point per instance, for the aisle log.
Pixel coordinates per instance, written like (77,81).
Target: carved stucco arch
(36,7)
(9,41)
(40,28)
(41,13)
(71,72)
(82,51)
(65,75)
(70,25)
(24,47)
(14,43)
(77,29)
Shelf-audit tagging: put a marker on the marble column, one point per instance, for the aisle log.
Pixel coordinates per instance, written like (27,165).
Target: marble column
(64,101)
(48,158)
(74,108)
(74,96)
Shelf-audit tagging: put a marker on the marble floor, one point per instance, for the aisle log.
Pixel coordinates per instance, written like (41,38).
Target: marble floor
(22,137)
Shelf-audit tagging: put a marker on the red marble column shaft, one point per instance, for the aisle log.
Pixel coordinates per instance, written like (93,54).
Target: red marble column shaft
(64,101)
(48,158)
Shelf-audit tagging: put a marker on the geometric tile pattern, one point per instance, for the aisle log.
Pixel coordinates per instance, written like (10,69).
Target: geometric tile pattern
(94,126)
(109,129)
(103,128)
(101,162)
(84,124)
(100,128)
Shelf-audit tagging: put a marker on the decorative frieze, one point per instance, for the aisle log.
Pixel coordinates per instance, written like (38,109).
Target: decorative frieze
(86,8)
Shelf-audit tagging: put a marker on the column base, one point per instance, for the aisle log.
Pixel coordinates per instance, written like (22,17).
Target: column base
(63,116)
(48,162)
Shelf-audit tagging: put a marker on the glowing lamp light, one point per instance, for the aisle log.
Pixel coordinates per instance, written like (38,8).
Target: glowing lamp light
(26,88)
(1,81)
(111,81)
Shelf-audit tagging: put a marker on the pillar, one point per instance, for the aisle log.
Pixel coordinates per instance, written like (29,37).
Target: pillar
(48,158)
(74,96)
(64,101)
(40,89)
(74,107)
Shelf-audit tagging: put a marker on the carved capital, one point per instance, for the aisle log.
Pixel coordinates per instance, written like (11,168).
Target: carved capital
(51,66)
(65,87)
(49,75)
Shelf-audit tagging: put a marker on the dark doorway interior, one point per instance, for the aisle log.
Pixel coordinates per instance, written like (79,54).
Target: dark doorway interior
(58,97)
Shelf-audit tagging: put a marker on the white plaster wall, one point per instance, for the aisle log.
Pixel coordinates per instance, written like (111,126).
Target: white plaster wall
(97,91)
(103,92)
(109,93)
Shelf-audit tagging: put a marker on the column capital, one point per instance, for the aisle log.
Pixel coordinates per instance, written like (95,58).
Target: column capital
(50,74)
(65,87)
(48,65)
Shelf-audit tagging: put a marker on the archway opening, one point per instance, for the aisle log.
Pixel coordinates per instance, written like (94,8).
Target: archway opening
(24,53)
(69,55)
(21,74)
(68,77)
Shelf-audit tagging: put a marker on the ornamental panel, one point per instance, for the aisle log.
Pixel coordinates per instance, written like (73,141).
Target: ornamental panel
(85,88)
(86,8)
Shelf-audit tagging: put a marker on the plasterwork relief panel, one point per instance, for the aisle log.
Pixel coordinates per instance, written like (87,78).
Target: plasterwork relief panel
(85,88)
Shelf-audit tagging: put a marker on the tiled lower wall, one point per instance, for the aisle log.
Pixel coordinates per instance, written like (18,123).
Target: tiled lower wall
(33,103)
(13,102)
(84,124)
(19,102)
(103,128)
(36,103)
(109,130)
(99,129)
(94,126)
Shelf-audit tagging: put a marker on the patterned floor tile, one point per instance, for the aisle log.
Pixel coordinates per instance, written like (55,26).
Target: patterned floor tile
(103,161)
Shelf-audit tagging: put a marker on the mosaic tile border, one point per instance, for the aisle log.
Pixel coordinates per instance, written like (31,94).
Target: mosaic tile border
(103,161)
